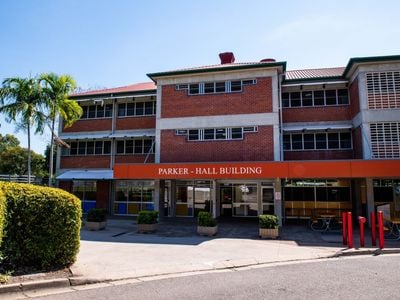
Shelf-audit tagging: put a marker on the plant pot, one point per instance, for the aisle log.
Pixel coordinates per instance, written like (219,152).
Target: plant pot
(207,231)
(147,228)
(95,225)
(269,233)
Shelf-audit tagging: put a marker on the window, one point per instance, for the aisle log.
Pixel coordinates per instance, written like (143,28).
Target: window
(220,87)
(137,108)
(97,111)
(236,86)
(92,111)
(208,134)
(317,141)
(385,140)
(135,146)
(133,196)
(86,191)
(88,148)
(315,98)
(216,87)
(383,90)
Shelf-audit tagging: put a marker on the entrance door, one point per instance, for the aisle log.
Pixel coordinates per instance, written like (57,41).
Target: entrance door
(268,201)
(226,196)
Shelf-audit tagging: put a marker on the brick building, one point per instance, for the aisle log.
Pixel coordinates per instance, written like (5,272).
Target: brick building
(240,139)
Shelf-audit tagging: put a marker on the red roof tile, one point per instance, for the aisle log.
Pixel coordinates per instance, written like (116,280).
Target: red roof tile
(137,87)
(314,73)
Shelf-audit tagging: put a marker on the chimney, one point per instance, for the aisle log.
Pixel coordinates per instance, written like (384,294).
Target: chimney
(227,58)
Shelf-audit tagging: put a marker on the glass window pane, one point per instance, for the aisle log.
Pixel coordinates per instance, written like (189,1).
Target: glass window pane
(236,86)
(99,147)
(309,141)
(297,142)
(139,108)
(107,147)
(209,134)
(81,148)
(100,111)
(320,141)
(92,111)
(286,142)
(319,98)
(333,140)
(148,108)
(220,133)
(193,135)
(194,88)
(237,133)
(138,146)
(84,112)
(121,109)
(209,87)
(120,147)
(285,99)
(295,99)
(345,140)
(90,148)
(130,109)
(330,97)
(220,87)
(343,97)
(307,98)
(129,146)
(147,145)
(108,110)
(74,148)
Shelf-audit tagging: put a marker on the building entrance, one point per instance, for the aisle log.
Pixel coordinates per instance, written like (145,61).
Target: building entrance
(238,199)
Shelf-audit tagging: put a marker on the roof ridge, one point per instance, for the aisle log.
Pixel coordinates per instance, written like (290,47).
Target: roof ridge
(328,68)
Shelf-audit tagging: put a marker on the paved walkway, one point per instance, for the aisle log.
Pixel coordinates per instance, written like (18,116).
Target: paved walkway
(120,253)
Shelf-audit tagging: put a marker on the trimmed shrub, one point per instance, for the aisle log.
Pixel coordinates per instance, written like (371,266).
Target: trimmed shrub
(147,217)
(2,214)
(42,227)
(268,221)
(96,215)
(206,219)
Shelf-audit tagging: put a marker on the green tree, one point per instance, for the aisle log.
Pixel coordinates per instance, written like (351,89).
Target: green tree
(8,141)
(13,161)
(21,101)
(56,91)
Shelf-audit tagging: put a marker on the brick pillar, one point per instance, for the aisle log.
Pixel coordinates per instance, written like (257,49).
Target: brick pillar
(65,185)
(103,194)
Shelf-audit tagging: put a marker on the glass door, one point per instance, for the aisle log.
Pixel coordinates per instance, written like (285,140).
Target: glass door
(226,194)
(268,201)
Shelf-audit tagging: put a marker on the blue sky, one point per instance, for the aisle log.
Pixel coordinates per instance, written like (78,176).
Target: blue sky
(113,43)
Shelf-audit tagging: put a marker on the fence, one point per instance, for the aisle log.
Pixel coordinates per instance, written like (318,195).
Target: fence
(20,178)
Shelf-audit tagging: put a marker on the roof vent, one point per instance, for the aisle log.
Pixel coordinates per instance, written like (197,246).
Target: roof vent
(227,58)
(268,60)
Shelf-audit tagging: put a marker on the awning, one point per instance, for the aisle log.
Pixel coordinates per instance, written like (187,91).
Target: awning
(316,127)
(86,174)
(130,134)
(85,136)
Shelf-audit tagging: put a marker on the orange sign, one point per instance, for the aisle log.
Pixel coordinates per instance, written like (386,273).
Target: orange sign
(259,170)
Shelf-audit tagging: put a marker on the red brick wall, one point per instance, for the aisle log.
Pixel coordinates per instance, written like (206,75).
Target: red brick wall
(127,123)
(357,143)
(133,159)
(255,147)
(92,161)
(315,114)
(90,125)
(65,185)
(318,155)
(354,98)
(254,99)
(102,194)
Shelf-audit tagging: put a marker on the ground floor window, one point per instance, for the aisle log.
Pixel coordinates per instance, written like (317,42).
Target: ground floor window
(308,197)
(192,197)
(133,196)
(387,191)
(86,191)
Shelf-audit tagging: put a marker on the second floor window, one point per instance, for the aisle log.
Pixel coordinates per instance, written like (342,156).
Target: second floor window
(317,141)
(97,111)
(215,87)
(135,146)
(88,148)
(147,108)
(315,98)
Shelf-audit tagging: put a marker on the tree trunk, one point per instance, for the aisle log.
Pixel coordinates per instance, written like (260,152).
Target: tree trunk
(51,154)
(29,153)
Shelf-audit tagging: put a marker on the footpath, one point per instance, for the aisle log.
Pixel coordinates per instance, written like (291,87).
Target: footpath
(120,255)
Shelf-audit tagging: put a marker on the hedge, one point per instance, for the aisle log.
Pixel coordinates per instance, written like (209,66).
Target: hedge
(2,214)
(42,227)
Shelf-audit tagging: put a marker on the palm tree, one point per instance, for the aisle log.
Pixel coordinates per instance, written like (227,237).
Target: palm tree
(21,101)
(56,90)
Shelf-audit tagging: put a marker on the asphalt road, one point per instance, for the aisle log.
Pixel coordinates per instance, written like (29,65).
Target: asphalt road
(367,277)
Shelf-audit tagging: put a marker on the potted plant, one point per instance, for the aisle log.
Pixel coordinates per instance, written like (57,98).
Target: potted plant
(96,219)
(147,221)
(269,226)
(206,224)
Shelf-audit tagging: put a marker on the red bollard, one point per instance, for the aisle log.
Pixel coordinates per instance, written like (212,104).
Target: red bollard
(349,230)
(373,228)
(344,227)
(362,221)
(380,229)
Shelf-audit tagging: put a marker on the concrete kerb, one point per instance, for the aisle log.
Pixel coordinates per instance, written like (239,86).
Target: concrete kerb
(232,266)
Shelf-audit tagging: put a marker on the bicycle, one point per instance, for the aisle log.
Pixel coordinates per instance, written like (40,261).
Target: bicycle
(324,223)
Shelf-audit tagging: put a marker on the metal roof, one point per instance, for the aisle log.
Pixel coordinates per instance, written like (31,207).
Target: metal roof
(87,174)
(137,87)
(314,73)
